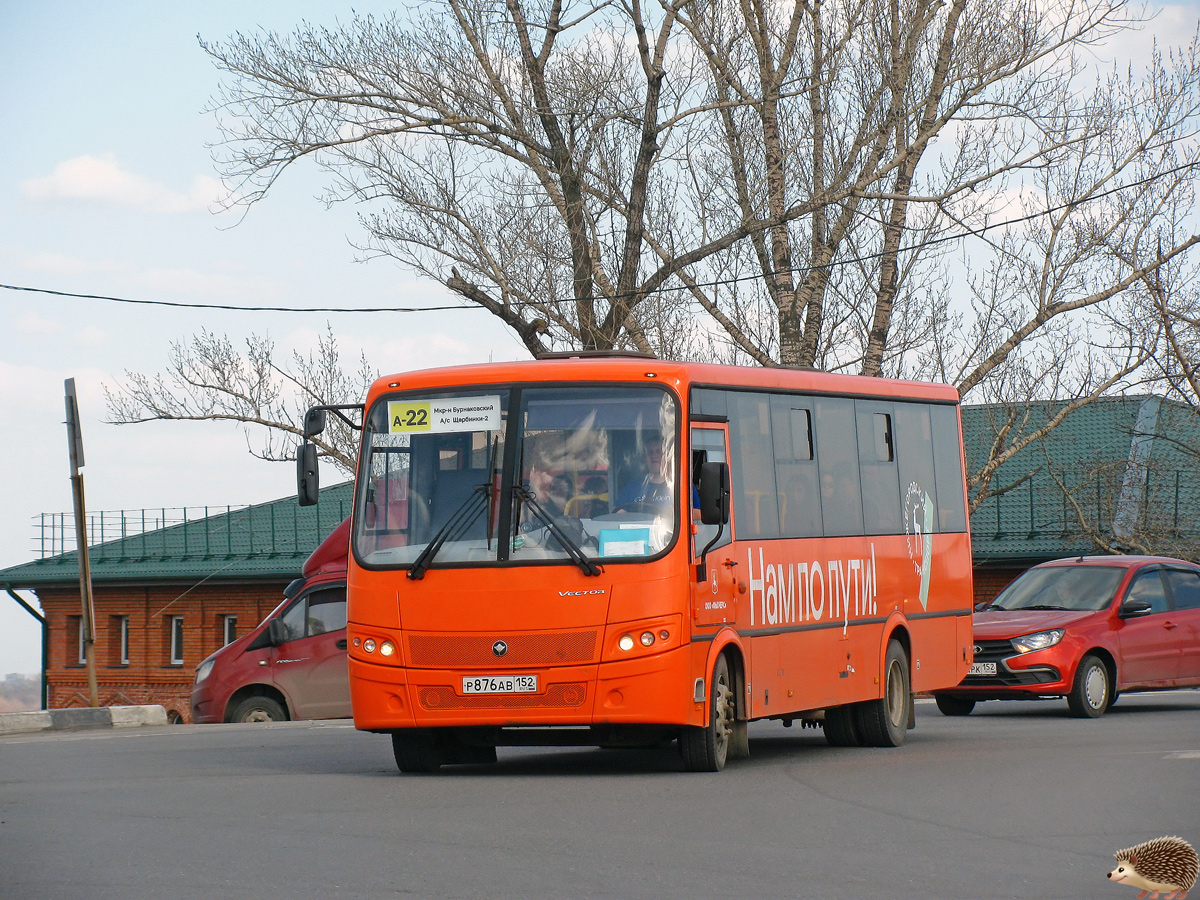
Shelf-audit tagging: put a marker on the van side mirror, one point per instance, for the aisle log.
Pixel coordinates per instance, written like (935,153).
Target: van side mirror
(307,478)
(314,421)
(1131,609)
(277,631)
(714,493)
(272,636)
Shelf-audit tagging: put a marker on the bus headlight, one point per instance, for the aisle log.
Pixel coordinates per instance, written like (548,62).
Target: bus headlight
(626,642)
(387,648)
(647,638)
(369,645)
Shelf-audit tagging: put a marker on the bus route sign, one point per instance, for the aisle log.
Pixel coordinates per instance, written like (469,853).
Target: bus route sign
(442,416)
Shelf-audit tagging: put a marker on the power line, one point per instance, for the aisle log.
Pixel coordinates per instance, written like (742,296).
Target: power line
(326,309)
(966,232)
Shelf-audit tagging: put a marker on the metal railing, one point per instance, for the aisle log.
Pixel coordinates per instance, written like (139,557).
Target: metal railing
(55,532)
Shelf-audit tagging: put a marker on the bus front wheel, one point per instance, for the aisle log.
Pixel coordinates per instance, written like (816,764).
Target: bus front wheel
(706,748)
(415,751)
(884,722)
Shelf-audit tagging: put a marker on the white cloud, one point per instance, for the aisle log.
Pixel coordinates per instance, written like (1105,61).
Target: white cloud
(102,180)
(32,324)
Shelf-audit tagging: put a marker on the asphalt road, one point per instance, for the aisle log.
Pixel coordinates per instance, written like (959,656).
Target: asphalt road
(1017,800)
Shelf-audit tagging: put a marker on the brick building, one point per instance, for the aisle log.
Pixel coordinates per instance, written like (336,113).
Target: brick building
(1121,472)
(166,598)
(1119,475)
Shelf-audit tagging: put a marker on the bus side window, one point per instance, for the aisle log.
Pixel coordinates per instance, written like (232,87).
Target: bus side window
(708,445)
(877,468)
(837,461)
(914,456)
(795,468)
(947,464)
(752,469)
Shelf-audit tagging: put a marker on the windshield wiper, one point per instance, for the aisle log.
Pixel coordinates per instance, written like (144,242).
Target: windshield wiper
(568,544)
(1044,606)
(456,526)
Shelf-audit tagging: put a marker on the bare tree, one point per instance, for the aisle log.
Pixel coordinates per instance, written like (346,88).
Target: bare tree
(208,379)
(914,188)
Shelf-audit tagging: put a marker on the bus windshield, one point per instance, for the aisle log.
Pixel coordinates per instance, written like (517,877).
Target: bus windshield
(578,473)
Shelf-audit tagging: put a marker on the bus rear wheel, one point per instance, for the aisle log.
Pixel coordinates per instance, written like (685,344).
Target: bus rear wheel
(706,748)
(884,722)
(842,726)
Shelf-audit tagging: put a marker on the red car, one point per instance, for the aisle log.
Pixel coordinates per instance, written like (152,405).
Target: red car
(1088,629)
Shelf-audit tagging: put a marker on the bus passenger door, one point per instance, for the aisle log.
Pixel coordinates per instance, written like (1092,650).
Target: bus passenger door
(715,595)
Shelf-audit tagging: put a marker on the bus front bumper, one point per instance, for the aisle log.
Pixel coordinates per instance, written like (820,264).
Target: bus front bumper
(653,690)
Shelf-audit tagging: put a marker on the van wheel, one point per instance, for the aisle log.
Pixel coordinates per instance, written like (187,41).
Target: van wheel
(1089,697)
(416,751)
(884,722)
(953,706)
(706,748)
(259,709)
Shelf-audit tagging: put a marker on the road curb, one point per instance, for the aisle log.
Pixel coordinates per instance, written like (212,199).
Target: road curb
(80,719)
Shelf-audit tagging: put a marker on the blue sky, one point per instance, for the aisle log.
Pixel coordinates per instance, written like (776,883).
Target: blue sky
(105,187)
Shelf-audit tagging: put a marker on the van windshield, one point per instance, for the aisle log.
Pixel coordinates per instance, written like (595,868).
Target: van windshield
(497,475)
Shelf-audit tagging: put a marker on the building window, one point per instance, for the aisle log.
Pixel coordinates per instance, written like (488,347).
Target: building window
(75,640)
(229,628)
(177,640)
(120,641)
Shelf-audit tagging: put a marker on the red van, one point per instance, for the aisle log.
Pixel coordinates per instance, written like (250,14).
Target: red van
(293,665)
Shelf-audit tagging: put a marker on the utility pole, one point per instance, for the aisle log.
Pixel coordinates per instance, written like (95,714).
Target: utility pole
(88,621)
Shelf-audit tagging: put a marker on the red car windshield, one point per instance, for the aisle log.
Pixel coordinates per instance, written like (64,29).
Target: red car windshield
(1081,588)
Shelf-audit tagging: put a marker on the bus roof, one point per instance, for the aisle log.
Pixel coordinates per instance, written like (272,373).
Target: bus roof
(678,374)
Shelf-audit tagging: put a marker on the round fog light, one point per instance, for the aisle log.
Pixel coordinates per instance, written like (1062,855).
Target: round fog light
(369,645)
(387,648)
(626,642)
(647,638)
(664,635)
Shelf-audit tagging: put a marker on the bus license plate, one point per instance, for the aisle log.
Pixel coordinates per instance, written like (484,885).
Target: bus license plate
(500,684)
(983,668)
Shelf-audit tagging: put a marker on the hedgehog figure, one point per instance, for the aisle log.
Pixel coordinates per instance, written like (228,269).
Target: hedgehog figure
(1164,865)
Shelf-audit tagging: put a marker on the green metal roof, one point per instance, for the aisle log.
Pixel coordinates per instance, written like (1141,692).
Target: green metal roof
(1121,468)
(1125,468)
(267,541)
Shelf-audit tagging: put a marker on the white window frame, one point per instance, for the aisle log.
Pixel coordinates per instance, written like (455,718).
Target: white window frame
(82,654)
(177,640)
(123,631)
(229,628)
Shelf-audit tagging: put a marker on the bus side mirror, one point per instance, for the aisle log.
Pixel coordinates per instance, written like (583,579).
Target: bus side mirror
(307,480)
(714,493)
(314,422)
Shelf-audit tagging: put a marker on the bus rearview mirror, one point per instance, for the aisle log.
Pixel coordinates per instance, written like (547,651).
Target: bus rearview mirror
(307,480)
(714,493)
(314,421)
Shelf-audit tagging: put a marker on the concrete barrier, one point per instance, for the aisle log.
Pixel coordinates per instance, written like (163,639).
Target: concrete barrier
(82,718)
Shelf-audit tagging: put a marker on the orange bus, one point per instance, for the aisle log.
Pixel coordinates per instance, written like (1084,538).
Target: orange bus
(608,549)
